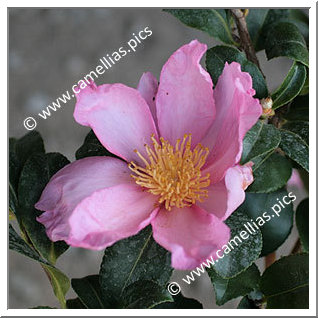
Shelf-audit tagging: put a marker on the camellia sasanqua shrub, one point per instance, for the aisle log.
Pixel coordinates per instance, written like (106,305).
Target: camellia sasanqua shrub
(174,170)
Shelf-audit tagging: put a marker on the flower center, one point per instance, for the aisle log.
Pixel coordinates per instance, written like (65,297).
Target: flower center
(173,173)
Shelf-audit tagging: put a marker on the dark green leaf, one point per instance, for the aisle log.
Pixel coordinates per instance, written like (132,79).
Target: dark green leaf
(301,20)
(145,294)
(240,285)
(259,140)
(260,22)
(74,304)
(286,40)
(89,292)
(295,148)
(180,302)
(285,283)
(247,303)
(295,299)
(274,221)
(305,89)
(218,55)
(28,145)
(299,109)
(92,147)
(271,174)
(16,243)
(255,20)
(19,151)
(136,258)
(13,200)
(36,173)
(14,165)
(43,307)
(302,221)
(59,282)
(212,21)
(291,86)
(300,128)
(240,252)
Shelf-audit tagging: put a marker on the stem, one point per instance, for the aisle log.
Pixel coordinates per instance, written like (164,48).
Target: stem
(297,247)
(245,39)
(270,259)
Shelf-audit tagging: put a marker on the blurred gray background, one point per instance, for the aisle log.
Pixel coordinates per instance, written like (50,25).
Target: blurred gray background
(49,51)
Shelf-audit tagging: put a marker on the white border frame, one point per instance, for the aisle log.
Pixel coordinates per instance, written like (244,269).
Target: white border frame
(150,312)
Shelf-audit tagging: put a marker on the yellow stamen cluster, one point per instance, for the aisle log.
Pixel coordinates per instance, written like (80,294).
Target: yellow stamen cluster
(173,173)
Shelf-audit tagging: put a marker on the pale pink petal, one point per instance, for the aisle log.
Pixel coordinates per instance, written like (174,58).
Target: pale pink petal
(185,101)
(225,196)
(110,215)
(119,116)
(75,182)
(295,180)
(190,234)
(236,112)
(147,87)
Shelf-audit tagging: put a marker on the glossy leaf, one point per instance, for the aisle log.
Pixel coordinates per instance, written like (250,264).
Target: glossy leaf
(305,89)
(218,55)
(240,285)
(285,283)
(301,20)
(13,200)
(299,109)
(136,258)
(144,294)
(286,40)
(180,302)
(19,151)
(241,253)
(291,86)
(302,221)
(247,303)
(260,22)
(300,128)
(272,174)
(295,148)
(275,227)
(16,243)
(35,174)
(212,21)
(92,147)
(261,139)
(89,292)
(255,20)
(74,304)
(59,282)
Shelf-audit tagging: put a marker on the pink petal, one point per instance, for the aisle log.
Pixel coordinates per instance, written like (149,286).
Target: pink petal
(295,180)
(228,194)
(147,87)
(119,116)
(236,112)
(185,97)
(111,214)
(75,182)
(190,234)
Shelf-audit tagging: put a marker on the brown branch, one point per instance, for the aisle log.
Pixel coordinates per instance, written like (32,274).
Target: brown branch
(270,259)
(297,247)
(245,39)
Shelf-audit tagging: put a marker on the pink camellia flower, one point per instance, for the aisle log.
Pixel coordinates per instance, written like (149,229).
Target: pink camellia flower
(180,141)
